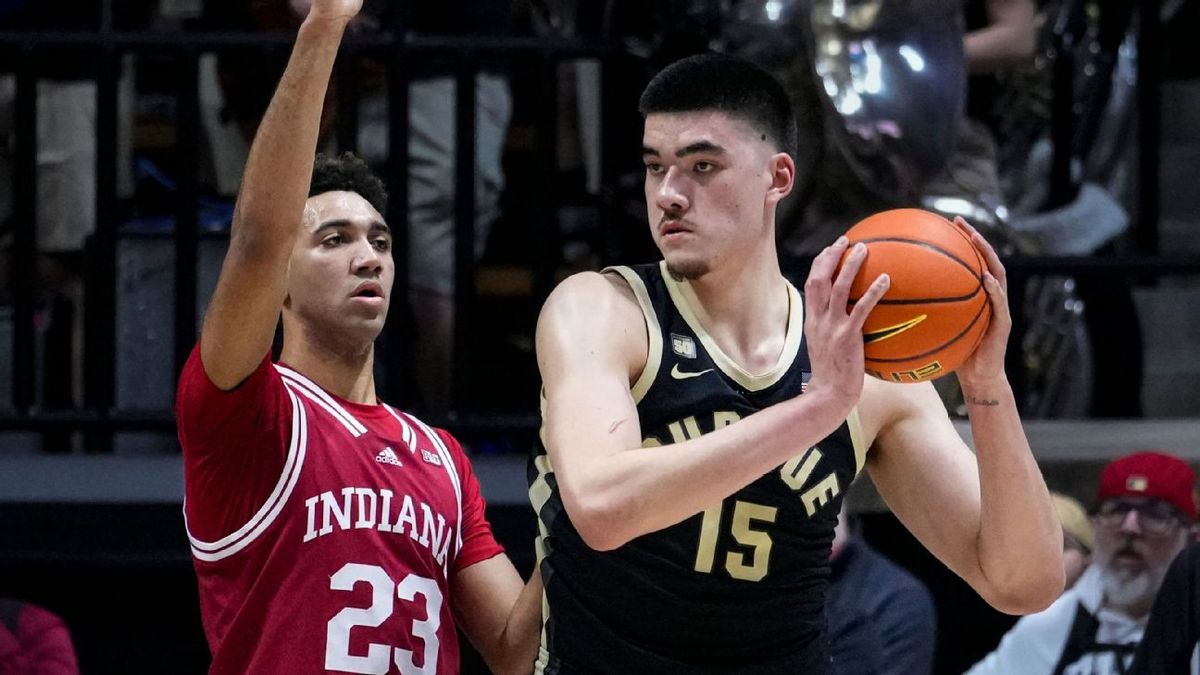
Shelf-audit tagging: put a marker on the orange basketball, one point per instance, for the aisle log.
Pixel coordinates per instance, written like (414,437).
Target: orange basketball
(936,309)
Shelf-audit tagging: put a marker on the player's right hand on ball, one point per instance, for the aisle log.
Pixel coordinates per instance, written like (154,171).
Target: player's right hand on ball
(834,332)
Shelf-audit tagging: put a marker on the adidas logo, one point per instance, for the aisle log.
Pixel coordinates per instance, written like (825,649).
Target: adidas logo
(387,456)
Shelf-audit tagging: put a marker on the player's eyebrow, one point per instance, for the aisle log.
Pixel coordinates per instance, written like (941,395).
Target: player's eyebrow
(376,226)
(704,146)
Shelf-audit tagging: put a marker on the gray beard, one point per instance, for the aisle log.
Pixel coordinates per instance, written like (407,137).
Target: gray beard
(1126,591)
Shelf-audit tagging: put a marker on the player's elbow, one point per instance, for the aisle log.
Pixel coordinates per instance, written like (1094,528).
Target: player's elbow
(1030,594)
(598,521)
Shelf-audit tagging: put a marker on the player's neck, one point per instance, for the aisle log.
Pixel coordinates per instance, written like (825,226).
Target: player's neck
(350,375)
(744,306)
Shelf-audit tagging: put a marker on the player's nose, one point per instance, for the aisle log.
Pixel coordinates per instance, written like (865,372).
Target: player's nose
(672,191)
(367,258)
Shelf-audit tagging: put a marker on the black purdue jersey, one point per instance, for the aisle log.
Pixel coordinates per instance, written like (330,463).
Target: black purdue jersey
(738,588)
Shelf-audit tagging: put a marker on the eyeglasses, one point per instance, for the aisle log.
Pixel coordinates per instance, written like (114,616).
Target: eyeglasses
(1155,518)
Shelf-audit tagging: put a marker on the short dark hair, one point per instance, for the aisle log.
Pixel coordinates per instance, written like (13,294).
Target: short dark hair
(727,84)
(350,173)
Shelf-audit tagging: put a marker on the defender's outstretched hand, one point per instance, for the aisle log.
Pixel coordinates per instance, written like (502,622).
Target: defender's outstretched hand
(986,364)
(835,341)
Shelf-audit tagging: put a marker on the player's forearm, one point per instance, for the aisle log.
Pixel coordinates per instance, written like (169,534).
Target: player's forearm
(1020,540)
(279,168)
(615,497)
(518,643)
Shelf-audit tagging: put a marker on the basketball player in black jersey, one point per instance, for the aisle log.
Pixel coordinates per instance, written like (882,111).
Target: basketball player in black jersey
(702,420)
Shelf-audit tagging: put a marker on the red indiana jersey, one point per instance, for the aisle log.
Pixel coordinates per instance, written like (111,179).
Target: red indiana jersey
(325,534)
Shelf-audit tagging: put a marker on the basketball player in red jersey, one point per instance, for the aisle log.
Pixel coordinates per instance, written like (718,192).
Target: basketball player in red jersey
(331,532)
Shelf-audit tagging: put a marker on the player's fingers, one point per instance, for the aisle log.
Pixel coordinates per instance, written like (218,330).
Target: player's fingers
(820,276)
(998,295)
(862,308)
(990,257)
(826,263)
(852,263)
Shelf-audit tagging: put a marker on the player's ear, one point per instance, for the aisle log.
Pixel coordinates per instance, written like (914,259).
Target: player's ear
(783,176)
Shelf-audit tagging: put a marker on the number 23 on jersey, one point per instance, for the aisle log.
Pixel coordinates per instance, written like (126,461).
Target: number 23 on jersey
(384,592)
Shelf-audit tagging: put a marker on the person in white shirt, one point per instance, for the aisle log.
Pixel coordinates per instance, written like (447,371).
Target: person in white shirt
(1145,517)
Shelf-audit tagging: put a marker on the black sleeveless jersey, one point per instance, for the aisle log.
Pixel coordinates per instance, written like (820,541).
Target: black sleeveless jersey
(738,588)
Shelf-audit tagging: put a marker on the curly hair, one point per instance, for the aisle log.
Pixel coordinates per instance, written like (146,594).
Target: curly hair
(350,173)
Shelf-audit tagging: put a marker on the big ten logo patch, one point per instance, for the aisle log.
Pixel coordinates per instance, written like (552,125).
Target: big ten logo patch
(683,346)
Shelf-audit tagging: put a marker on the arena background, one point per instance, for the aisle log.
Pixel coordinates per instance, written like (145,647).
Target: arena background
(90,474)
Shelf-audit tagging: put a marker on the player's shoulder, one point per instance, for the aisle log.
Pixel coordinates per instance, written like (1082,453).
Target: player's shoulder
(593,287)
(588,299)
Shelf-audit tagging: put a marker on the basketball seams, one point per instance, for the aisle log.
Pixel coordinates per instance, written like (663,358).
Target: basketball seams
(942,346)
(925,301)
(924,244)
(976,277)
(916,248)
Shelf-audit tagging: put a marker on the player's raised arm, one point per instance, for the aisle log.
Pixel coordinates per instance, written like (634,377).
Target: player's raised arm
(592,343)
(241,318)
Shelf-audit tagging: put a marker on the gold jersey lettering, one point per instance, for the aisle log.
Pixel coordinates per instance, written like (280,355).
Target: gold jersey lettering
(796,471)
(744,517)
(821,494)
(684,429)
(724,418)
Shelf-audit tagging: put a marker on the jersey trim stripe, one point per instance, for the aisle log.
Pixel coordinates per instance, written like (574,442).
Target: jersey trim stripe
(266,515)
(686,302)
(540,493)
(653,332)
(318,395)
(447,464)
(857,439)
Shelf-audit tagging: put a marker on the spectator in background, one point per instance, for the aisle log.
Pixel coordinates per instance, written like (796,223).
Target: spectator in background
(1169,646)
(34,641)
(881,618)
(1145,517)
(1077,536)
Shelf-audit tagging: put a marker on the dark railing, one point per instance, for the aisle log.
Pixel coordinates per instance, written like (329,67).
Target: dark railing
(100,417)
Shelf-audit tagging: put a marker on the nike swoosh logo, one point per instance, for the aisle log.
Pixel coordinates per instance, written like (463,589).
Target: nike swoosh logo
(892,331)
(681,375)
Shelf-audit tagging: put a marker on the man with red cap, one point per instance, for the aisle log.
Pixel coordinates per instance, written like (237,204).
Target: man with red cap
(1144,517)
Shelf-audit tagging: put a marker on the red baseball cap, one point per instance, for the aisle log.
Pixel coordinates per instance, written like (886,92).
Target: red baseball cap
(1154,475)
